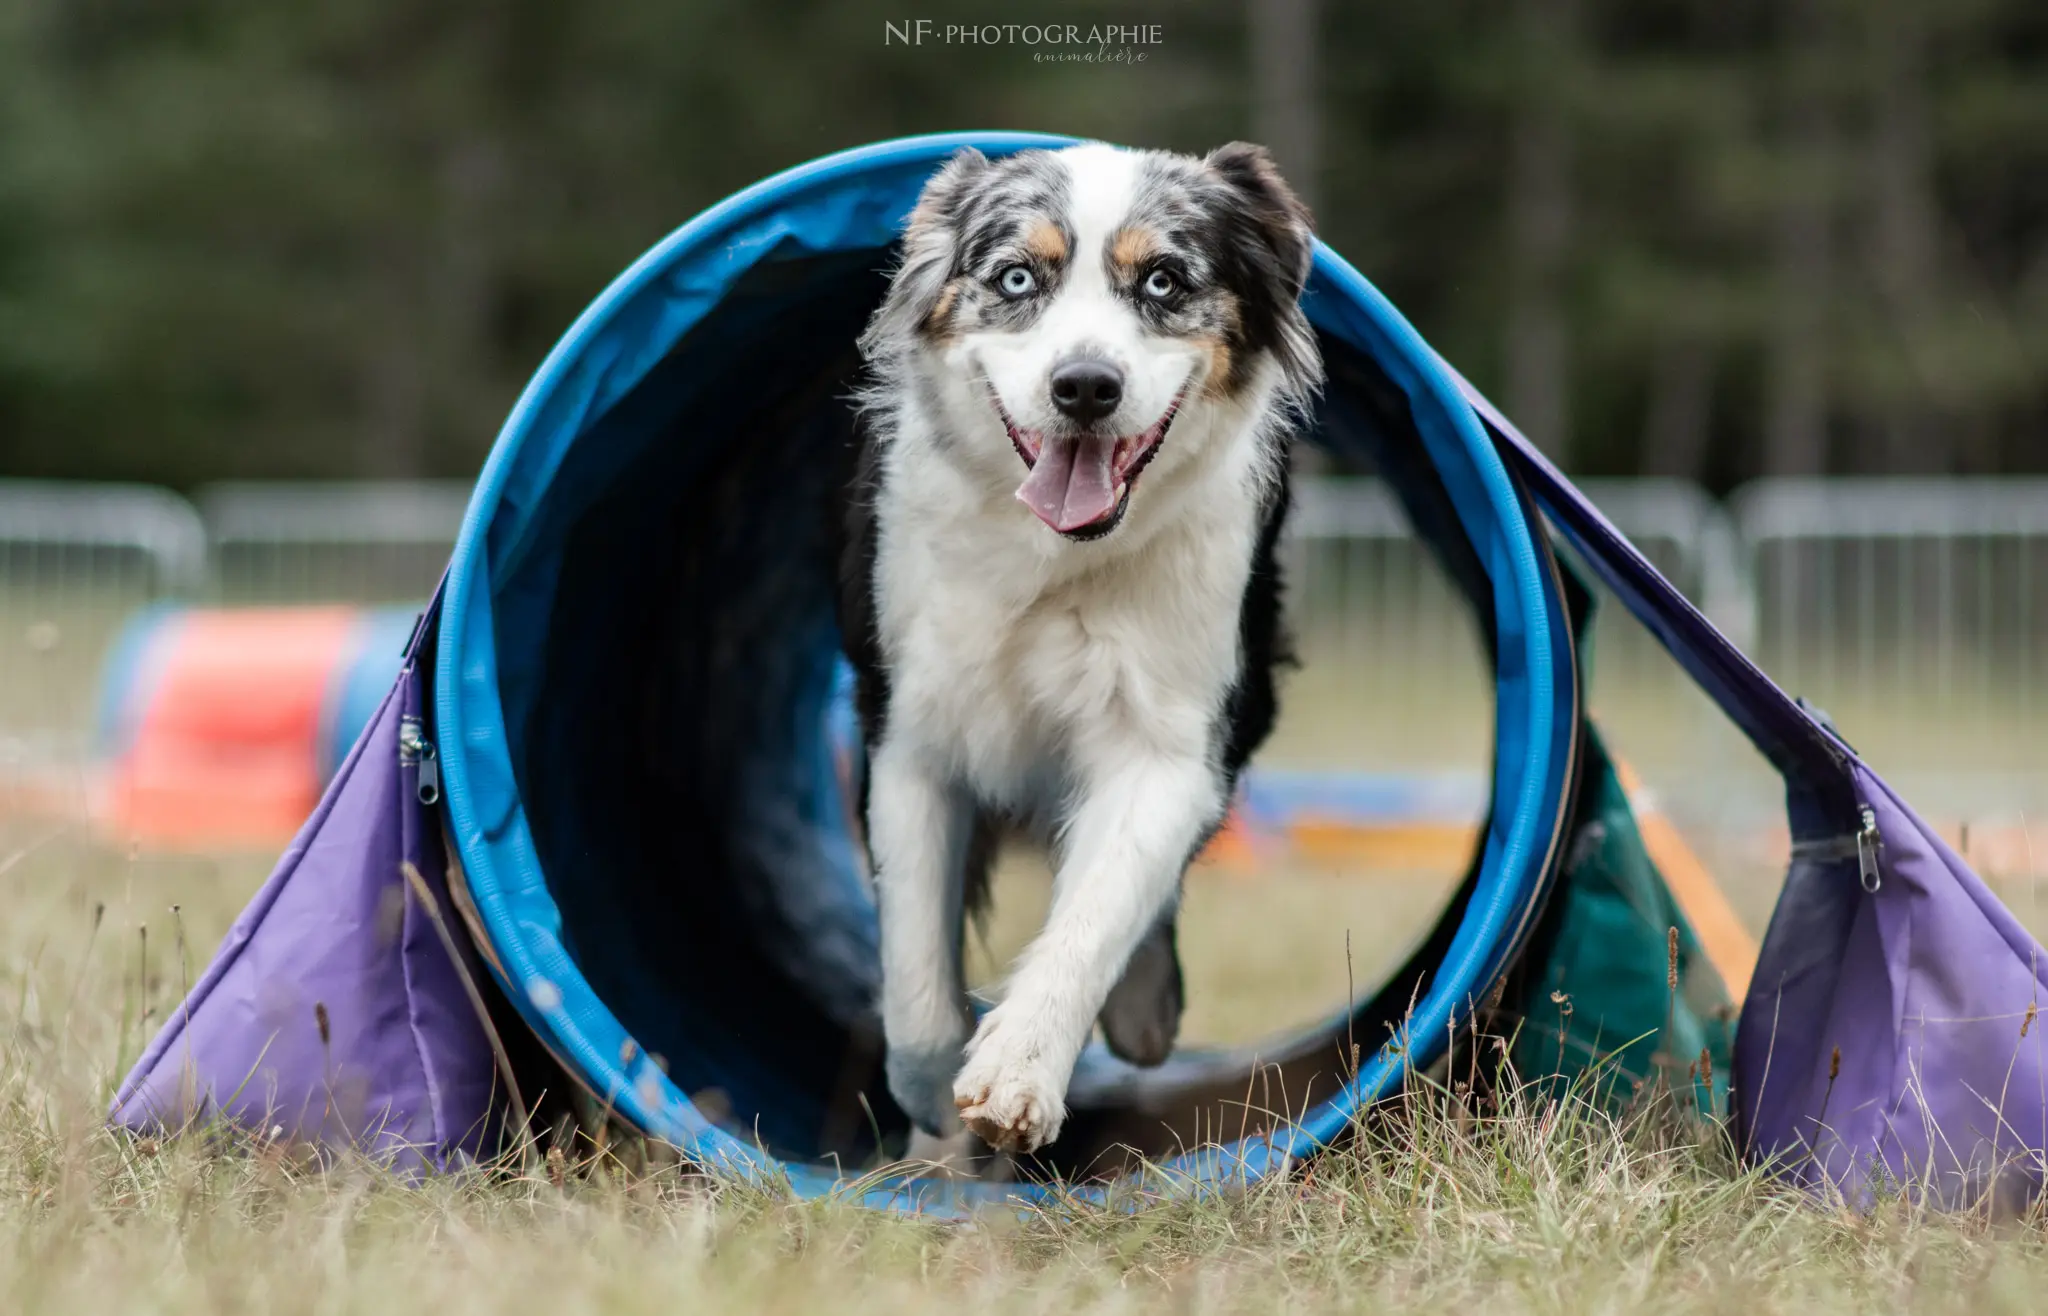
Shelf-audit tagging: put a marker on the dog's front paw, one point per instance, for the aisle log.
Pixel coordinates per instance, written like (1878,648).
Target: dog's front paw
(921,1080)
(1007,1094)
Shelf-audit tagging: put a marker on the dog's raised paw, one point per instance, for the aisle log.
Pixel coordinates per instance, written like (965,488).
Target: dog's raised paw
(1013,1107)
(1012,1116)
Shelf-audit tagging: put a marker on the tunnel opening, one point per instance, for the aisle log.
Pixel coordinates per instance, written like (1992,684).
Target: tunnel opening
(634,692)
(667,686)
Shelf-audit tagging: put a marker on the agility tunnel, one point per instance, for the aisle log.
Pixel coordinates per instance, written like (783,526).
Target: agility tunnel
(598,817)
(219,728)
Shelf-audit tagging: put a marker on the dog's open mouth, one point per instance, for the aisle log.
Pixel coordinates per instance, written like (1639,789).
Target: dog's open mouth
(1080,484)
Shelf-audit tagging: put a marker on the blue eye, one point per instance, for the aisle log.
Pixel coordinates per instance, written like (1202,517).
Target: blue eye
(1016,281)
(1159,285)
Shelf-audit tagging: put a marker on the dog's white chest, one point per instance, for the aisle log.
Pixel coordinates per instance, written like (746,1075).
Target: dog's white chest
(1021,676)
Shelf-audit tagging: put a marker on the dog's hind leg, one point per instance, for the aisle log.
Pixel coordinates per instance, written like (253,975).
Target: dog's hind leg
(1141,1018)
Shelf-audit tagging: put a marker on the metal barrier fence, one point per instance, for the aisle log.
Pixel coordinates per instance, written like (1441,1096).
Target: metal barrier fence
(356,542)
(1911,611)
(76,561)
(1392,666)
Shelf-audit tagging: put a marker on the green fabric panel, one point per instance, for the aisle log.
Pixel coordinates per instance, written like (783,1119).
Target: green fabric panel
(1594,992)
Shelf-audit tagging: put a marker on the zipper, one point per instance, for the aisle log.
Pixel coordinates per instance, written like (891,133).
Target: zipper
(1866,850)
(415,750)
(1862,846)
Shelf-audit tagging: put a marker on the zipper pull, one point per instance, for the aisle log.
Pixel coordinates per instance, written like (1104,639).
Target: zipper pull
(1866,851)
(430,775)
(415,748)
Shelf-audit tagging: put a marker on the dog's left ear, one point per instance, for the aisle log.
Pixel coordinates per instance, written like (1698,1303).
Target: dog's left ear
(920,279)
(1281,218)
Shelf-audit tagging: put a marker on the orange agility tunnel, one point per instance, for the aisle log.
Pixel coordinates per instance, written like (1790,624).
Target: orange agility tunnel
(220,727)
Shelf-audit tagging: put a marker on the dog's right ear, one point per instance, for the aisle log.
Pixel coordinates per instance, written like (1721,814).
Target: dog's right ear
(917,287)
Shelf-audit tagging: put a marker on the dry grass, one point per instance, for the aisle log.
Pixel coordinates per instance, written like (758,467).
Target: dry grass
(1531,1208)
(1569,1213)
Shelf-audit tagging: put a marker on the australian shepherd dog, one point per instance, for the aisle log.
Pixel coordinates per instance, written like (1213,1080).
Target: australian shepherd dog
(1058,588)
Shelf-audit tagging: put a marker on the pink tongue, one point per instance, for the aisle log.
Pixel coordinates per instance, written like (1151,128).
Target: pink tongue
(1072,485)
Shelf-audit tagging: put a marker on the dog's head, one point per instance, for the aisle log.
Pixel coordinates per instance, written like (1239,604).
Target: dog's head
(1080,316)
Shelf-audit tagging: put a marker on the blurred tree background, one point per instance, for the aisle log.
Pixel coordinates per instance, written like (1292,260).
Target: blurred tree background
(1706,238)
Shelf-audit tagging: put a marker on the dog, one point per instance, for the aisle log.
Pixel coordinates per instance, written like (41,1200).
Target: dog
(1059,589)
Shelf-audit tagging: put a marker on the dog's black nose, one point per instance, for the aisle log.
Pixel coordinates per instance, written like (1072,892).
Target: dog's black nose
(1086,391)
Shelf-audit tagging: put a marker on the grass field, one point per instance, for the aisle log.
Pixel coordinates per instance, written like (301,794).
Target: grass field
(1525,1208)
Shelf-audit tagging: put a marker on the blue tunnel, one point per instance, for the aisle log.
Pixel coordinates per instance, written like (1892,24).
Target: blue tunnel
(637,664)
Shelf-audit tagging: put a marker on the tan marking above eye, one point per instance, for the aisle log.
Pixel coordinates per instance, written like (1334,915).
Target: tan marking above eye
(942,309)
(1130,248)
(1045,241)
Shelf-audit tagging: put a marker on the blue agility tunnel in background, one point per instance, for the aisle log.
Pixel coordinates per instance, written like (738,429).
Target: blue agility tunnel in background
(620,717)
(637,648)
